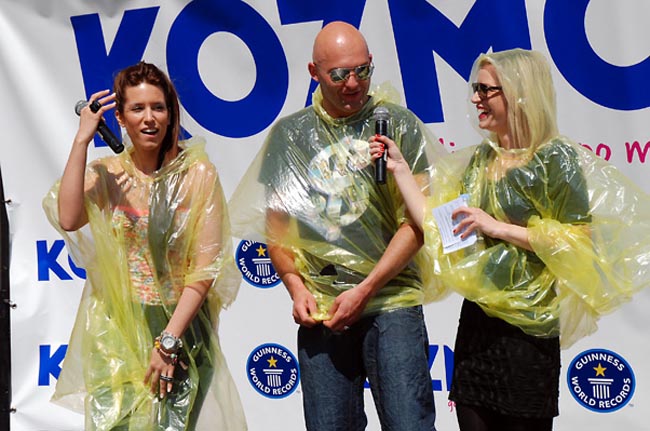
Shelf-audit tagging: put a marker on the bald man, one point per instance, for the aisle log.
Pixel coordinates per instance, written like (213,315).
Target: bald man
(343,246)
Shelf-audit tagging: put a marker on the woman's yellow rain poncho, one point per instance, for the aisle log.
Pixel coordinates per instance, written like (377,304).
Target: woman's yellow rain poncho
(146,239)
(588,225)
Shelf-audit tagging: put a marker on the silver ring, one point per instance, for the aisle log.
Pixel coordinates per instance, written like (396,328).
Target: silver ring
(345,328)
(166,378)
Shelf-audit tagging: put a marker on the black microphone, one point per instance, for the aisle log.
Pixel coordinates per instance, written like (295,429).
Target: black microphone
(104,131)
(381,116)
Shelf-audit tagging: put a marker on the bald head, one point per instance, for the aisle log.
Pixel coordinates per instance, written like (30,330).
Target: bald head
(336,38)
(341,46)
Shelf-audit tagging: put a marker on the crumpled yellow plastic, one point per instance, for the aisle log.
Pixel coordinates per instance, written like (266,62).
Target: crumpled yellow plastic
(317,170)
(188,240)
(588,224)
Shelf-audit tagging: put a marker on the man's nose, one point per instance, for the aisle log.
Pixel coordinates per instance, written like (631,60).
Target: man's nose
(352,80)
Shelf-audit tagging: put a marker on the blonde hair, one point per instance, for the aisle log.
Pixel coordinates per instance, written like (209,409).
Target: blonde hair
(525,78)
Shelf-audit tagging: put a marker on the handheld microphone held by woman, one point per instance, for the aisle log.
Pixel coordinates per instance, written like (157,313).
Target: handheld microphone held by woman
(104,131)
(381,116)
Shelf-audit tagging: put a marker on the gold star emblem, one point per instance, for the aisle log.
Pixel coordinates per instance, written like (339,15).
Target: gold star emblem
(272,362)
(600,370)
(261,251)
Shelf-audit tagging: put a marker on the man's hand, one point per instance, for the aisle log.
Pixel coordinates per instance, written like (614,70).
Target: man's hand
(304,305)
(347,308)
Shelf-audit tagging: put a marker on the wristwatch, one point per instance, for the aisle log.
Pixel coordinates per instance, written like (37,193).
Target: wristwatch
(169,343)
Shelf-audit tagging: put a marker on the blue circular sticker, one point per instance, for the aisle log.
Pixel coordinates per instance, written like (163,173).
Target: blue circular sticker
(601,380)
(273,371)
(255,264)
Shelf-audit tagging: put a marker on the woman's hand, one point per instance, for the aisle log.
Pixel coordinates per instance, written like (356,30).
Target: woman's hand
(89,120)
(395,160)
(477,220)
(72,213)
(406,182)
(160,373)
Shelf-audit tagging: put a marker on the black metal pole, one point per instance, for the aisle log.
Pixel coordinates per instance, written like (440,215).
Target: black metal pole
(5,310)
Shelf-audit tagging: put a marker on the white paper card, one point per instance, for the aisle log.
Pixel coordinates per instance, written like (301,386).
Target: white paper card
(442,215)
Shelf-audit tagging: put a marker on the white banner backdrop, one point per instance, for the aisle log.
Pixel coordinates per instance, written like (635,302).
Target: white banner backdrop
(239,66)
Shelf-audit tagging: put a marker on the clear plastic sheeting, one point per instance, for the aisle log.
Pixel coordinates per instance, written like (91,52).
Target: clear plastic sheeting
(588,225)
(314,173)
(147,238)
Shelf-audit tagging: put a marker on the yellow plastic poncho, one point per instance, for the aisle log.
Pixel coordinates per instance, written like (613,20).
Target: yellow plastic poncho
(588,225)
(317,170)
(148,237)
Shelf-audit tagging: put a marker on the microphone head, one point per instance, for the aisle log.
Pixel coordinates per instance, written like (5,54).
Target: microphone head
(380,113)
(79,106)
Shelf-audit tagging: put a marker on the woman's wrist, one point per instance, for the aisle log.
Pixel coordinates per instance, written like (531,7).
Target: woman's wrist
(168,346)
(401,168)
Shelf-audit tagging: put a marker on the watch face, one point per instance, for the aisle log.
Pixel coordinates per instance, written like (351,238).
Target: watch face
(168,342)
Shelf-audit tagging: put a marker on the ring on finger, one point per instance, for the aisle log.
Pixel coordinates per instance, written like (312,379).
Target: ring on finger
(95,106)
(166,378)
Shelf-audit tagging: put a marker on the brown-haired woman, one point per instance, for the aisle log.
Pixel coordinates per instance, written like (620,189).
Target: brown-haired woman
(151,227)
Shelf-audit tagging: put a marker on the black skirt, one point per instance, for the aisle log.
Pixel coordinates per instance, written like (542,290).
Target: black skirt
(499,367)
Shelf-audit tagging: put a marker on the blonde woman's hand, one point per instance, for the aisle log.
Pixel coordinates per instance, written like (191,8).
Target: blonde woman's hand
(476,220)
(379,144)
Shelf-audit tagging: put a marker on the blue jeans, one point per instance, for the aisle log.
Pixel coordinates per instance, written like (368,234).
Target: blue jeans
(391,350)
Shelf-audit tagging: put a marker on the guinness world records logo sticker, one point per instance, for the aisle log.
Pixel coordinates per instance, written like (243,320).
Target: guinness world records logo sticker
(273,371)
(254,263)
(601,380)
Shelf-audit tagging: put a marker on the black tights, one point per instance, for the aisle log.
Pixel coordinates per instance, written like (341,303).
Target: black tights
(472,418)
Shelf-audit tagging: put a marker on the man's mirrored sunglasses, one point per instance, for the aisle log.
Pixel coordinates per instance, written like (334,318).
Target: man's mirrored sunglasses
(341,74)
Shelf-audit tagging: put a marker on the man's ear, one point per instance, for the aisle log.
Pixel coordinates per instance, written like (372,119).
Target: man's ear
(312,71)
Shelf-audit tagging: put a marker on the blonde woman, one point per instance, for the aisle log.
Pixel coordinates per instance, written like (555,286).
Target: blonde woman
(563,236)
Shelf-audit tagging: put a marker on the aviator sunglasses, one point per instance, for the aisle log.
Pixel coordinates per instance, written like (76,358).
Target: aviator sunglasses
(341,74)
(483,90)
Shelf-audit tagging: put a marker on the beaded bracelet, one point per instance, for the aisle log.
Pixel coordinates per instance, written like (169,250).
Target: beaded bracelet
(172,356)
